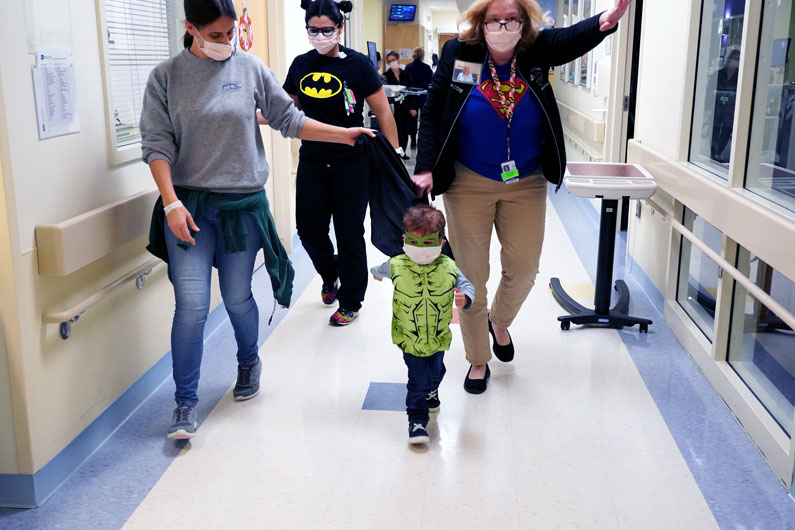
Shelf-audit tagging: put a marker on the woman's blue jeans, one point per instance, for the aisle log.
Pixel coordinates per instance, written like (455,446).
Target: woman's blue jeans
(190,271)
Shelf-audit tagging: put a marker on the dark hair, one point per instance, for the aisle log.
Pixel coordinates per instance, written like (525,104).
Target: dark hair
(378,55)
(203,12)
(424,218)
(392,54)
(329,8)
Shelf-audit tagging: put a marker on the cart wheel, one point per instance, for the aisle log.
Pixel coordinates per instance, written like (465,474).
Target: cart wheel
(565,324)
(644,328)
(65,330)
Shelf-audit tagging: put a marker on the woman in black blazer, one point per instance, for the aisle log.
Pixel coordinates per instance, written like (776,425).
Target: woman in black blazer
(489,143)
(395,76)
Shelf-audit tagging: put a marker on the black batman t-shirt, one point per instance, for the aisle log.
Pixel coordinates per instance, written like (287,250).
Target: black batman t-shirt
(319,82)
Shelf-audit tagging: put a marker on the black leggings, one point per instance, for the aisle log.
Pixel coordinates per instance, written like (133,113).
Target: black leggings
(339,190)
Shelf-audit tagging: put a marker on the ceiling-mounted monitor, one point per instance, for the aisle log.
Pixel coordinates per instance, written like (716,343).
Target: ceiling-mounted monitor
(402,12)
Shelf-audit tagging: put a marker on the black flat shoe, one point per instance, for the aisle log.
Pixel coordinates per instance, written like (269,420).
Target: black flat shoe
(503,353)
(476,386)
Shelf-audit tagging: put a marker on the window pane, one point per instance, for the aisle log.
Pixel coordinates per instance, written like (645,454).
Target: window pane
(716,86)
(139,38)
(697,287)
(771,157)
(761,346)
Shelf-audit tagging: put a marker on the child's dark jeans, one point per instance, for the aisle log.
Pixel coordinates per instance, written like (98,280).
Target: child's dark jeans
(425,374)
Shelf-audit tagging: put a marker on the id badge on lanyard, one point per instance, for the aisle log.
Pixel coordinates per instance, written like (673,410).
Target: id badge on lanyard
(508,171)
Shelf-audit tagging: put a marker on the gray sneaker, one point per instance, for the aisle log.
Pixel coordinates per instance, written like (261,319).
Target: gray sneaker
(247,385)
(184,423)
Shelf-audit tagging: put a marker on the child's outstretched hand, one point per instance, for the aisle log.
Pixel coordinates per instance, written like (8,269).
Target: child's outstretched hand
(460,299)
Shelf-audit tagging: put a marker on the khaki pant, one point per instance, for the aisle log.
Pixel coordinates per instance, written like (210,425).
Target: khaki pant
(474,204)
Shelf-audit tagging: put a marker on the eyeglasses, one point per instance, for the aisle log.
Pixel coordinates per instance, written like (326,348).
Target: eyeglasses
(510,25)
(328,31)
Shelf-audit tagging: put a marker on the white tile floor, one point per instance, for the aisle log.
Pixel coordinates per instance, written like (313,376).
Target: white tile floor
(567,436)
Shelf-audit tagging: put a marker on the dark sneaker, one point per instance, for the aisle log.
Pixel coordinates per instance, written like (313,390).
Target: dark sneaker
(418,433)
(329,293)
(183,423)
(342,317)
(432,400)
(247,385)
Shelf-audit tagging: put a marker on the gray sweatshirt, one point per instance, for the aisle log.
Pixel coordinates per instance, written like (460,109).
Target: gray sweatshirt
(199,115)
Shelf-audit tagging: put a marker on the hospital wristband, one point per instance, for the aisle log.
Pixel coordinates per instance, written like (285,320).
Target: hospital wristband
(173,206)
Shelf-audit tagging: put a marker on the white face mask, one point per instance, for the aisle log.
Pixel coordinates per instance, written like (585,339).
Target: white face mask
(322,44)
(394,65)
(503,40)
(422,255)
(216,51)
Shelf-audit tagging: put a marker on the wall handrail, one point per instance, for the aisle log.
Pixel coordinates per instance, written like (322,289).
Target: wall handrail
(758,293)
(589,128)
(70,245)
(70,315)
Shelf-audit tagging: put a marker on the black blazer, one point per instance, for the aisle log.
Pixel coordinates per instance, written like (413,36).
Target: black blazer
(446,98)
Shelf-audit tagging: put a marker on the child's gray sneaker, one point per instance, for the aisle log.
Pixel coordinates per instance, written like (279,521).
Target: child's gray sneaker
(247,385)
(183,425)
(418,433)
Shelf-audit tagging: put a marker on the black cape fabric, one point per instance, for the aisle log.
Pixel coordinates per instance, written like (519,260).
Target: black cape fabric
(391,194)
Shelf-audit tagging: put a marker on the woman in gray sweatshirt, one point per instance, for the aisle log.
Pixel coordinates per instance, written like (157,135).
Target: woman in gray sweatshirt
(202,142)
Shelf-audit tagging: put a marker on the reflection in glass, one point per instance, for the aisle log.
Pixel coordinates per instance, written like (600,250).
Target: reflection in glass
(716,86)
(761,345)
(771,157)
(697,286)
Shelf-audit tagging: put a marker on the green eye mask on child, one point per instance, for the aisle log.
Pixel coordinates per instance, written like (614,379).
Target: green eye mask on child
(431,240)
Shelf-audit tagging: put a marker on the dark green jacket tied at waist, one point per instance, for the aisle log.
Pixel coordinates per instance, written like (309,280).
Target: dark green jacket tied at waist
(235,232)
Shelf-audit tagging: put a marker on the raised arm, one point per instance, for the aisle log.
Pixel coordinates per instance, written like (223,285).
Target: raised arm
(556,46)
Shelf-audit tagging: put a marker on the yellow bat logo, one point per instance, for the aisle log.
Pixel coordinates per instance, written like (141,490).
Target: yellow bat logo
(320,85)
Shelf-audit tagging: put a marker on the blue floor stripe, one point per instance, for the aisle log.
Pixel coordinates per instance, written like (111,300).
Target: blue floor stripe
(385,396)
(108,488)
(738,485)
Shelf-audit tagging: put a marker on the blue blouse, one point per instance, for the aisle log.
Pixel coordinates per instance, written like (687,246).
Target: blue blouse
(481,133)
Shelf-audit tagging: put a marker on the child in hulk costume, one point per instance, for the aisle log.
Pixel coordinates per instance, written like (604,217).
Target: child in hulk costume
(427,283)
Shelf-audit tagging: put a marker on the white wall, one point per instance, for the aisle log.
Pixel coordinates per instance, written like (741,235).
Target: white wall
(8,453)
(445,21)
(59,387)
(425,19)
(442,22)
(661,82)
(296,41)
(581,98)
(61,177)
(658,116)
(373,23)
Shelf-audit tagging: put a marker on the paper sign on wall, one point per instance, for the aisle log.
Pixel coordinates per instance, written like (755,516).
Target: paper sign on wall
(55,93)
(405,53)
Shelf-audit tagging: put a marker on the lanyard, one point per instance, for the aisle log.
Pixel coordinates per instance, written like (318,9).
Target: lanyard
(508,103)
(349,99)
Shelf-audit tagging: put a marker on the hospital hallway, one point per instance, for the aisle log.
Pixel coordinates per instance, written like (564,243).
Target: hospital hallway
(586,428)
(655,134)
